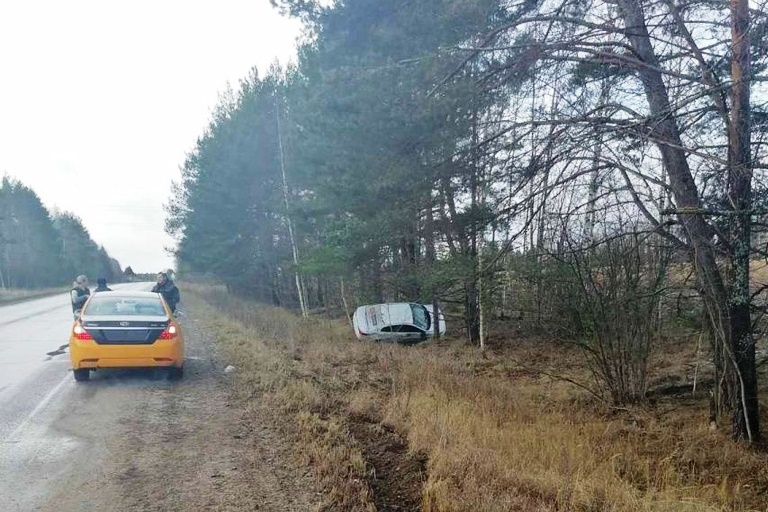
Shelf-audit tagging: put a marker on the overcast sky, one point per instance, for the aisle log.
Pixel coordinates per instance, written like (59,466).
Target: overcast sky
(101,100)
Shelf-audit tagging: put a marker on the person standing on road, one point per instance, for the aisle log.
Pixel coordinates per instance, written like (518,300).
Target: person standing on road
(168,290)
(102,287)
(79,294)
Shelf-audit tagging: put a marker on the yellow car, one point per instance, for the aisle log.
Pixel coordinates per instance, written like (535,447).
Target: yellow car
(124,329)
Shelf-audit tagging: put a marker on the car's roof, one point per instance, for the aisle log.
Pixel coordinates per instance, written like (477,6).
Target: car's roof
(127,294)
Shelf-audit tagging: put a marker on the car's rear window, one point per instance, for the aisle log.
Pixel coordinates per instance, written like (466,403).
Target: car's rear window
(124,306)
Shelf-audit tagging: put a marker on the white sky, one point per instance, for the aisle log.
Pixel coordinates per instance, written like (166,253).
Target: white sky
(101,100)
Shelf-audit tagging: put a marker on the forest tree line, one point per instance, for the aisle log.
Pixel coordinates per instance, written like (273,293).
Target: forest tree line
(40,249)
(546,160)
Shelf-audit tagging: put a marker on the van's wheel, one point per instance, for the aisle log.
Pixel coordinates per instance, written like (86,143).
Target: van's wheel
(82,374)
(175,373)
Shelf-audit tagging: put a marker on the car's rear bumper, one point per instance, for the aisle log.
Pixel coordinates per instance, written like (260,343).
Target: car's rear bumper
(161,353)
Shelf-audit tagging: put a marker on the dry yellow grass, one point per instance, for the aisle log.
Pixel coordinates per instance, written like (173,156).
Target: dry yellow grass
(497,436)
(266,348)
(759,272)
(681,274)
(523,444)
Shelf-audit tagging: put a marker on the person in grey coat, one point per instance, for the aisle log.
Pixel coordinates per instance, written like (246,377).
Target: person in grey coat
(79,294)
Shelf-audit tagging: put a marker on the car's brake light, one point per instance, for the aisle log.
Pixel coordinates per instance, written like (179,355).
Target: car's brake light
(80,333)
(168,333)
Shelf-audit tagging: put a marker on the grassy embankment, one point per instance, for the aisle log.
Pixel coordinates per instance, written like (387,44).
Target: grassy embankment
(13,296)
(442,427)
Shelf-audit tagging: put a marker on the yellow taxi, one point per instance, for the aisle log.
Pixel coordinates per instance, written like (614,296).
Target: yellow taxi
(126,329)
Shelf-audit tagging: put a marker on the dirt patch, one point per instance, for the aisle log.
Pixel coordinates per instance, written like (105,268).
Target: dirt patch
(396,476)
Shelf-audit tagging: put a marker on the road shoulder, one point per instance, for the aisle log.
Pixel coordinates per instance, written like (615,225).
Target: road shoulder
(179,446)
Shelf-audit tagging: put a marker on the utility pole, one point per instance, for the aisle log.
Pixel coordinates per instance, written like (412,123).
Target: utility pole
(294,248)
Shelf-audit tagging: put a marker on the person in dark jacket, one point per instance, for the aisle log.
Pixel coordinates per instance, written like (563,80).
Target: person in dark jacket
(79,294)
(168,290)
(102,285)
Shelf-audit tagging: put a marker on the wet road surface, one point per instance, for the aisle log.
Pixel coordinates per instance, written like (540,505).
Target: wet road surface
(131,441)
(36,388)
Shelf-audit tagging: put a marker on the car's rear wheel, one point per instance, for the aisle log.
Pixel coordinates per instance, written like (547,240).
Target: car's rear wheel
(82,374)
(175,373)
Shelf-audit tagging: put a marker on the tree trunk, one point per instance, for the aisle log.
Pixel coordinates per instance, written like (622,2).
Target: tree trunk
(471,313)
(482,320)
(745,413)
(294,247)
(344,302)
(730,322)
(472,298)
(429,241)
(377,287)
(594,175)
(409,262)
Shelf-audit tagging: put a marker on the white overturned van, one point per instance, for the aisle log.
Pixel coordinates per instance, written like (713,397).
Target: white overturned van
(403,322)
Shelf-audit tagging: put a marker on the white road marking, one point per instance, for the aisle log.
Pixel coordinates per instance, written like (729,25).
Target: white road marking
(39,407)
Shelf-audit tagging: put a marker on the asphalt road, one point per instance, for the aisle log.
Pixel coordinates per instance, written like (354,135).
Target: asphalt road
(36,389)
